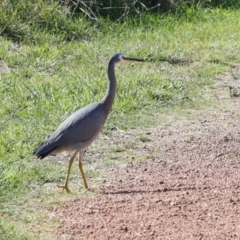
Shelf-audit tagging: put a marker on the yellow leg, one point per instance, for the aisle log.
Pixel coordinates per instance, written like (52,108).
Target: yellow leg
(81,170)
(65,186)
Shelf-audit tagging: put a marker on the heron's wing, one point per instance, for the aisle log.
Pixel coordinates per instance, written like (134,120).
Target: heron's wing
(80,127)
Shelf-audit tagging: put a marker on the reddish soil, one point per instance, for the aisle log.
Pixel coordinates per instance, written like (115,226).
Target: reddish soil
(190,189)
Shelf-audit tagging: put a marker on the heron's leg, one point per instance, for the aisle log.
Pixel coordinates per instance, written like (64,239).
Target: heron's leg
(81,169)
(65,186)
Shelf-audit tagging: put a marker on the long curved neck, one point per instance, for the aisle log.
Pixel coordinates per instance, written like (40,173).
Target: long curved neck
(109,97)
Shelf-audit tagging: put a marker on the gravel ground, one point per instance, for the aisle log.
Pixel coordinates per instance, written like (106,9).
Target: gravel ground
(188,190)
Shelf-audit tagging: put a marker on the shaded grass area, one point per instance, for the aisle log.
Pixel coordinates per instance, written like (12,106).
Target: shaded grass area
(51,78)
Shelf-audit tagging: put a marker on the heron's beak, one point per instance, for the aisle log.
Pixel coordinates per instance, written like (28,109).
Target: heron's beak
(132,59)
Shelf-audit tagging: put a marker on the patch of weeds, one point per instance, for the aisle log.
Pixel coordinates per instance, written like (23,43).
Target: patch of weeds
(234,91)
(140,159)
(191,137)
(144,138)
(232,154)
(13,231)
(116,149)
(151,156)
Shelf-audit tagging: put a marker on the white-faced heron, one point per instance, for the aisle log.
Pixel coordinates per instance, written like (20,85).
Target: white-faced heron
(80,129)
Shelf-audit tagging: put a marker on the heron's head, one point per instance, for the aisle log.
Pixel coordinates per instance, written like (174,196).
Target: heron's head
(119,58)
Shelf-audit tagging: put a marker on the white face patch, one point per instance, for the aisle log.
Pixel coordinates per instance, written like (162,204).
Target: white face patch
(120,62)
(121,58)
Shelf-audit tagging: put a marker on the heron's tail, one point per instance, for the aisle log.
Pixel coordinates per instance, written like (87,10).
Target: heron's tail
(44,150)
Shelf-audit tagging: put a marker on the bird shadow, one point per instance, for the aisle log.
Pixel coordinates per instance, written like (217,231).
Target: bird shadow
(104,192)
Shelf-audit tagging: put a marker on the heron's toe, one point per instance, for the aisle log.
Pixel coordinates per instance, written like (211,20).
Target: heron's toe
(64,187)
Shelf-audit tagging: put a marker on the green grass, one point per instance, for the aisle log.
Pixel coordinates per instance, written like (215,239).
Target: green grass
(52,77)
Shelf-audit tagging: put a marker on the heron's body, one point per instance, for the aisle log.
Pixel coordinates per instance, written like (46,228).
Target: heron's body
(70,136)
(80,129)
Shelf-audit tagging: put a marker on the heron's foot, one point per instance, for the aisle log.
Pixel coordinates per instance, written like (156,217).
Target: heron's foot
(90,189)
(64,187)
(86,186)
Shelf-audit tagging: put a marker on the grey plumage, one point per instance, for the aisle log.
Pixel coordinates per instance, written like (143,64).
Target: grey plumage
(70,135)
(80,129)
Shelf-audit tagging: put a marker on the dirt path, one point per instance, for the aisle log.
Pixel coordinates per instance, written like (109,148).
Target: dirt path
(188,190)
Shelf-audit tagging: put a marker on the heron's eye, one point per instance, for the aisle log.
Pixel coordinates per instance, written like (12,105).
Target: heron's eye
(121,58)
